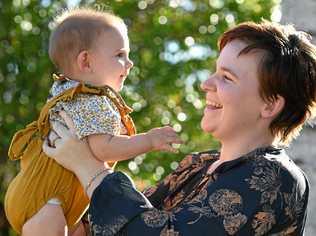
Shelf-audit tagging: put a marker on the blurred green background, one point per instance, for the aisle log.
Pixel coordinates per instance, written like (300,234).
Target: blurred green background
(173,46)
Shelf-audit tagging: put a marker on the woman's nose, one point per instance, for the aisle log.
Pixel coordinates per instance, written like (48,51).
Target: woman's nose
(209,84)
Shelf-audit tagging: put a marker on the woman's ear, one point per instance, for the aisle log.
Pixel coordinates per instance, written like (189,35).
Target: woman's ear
(272,108)
(84,61)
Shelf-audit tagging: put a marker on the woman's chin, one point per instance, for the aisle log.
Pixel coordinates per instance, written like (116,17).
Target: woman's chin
(207,127)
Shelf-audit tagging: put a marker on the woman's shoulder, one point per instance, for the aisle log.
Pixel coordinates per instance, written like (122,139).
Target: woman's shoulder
(279,185)
(277,167)
(278,159)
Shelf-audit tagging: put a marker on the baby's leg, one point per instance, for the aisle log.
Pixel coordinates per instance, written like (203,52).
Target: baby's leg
(48,221)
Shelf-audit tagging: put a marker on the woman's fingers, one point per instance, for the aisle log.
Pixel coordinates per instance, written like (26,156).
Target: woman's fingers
(52,137)
(47,149)
(60,130)
(70,124)
(62,150)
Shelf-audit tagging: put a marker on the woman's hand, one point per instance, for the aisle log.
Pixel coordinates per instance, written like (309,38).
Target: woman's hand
(75,155)
(69,151)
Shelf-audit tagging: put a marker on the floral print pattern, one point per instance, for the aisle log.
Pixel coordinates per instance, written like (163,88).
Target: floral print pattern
(260,193)
(155,218)
(91,114)
(263,222)
(116,225)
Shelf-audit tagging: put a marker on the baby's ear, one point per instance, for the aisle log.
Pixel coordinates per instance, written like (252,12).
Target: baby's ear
(272,108)
(84,61)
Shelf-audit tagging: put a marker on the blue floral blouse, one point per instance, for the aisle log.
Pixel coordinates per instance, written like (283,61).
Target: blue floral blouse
(91,114)
(260,193)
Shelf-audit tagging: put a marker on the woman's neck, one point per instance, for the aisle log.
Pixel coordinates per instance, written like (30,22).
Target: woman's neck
(233,148)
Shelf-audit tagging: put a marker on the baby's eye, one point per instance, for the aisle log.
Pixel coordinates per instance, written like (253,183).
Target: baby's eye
(121,54)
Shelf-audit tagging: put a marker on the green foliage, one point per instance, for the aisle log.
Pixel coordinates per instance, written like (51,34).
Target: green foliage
(173,46)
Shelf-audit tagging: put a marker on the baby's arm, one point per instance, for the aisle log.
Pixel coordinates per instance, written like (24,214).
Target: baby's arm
(121,147)
(108,147)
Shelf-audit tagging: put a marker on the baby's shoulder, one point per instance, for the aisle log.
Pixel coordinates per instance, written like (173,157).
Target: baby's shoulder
(60,86)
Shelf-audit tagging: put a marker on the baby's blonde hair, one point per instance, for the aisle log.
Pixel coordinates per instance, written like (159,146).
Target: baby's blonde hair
(76,30)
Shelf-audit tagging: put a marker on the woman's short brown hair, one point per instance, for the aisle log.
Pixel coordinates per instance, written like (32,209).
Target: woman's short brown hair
(288,69)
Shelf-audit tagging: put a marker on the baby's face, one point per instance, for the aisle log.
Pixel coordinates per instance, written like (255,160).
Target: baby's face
(110,63)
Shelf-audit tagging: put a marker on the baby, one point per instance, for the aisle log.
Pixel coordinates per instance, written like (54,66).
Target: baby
(91,49)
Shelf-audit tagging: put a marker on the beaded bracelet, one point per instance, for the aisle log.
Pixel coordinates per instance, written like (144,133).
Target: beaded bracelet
(93,178)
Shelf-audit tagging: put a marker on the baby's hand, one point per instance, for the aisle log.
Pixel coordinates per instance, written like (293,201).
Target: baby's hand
(163,138)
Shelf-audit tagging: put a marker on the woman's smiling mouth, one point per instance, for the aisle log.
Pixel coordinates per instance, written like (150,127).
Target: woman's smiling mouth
(213,105)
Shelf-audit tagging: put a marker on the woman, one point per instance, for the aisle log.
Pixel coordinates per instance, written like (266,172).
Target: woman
(261,93)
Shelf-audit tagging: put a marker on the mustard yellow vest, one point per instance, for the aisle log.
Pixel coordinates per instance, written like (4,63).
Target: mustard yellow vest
(41,178)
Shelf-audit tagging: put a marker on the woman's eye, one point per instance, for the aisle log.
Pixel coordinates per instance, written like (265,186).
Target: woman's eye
(227,78)
(121,54)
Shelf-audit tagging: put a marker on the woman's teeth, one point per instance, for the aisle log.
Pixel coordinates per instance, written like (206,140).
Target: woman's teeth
(214,104)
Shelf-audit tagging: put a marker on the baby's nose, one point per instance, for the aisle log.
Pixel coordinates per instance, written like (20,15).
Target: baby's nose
(130,63)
